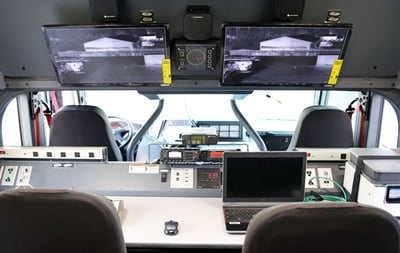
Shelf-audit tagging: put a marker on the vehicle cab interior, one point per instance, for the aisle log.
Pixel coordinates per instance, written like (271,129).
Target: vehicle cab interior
(200,126)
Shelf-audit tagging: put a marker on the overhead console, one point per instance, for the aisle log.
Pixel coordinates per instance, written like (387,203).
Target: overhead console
(369,59)
(197,54)
(246,56)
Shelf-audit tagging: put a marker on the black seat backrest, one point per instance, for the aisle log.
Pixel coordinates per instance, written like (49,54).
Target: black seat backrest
(58,221)
(331,227)
(83,125)
(322,127)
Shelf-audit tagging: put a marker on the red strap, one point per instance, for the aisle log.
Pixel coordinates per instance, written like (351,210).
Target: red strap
(54,101)
(48,118)
(37,132)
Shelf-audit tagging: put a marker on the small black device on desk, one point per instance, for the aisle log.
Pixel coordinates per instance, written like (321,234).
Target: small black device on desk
(171,227)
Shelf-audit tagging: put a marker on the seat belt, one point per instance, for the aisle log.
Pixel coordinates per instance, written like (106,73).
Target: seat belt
(350,109)
(46,112)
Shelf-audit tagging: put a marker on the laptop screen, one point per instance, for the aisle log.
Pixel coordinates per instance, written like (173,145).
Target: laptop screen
(270,176)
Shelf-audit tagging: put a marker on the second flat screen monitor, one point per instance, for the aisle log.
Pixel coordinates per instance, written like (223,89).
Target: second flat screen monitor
(281,54)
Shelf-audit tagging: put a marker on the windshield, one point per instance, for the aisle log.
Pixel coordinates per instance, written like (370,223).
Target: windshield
(265,110)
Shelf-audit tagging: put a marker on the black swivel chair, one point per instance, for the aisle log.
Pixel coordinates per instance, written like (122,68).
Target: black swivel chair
(83,125)
(329,227)
(58,221)
(322,127)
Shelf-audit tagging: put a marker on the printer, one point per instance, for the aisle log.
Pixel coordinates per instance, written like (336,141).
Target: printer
(372,176)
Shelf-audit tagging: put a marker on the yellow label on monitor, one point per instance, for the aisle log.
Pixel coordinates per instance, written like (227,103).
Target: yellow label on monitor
(337,66)
(166,71)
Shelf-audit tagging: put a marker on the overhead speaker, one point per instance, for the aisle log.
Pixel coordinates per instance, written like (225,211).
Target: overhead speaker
(288,10)
(104,10)
(197,23)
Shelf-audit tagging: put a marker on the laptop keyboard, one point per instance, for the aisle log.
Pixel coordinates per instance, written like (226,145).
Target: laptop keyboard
(233,214)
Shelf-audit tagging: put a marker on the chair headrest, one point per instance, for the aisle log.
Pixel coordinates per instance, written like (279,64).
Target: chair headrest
(83,125)
(52,220)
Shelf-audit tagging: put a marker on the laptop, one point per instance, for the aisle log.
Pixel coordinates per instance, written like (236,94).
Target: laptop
(253,181)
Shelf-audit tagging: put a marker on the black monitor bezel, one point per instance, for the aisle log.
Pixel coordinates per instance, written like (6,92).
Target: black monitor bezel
(106,26)
(223,83)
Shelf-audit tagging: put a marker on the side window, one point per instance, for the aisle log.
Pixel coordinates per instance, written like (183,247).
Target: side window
(10,126)
(275,110)
(389,127)
(352,102)
(342,99)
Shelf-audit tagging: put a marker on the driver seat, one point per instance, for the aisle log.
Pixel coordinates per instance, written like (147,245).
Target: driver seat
(83,125)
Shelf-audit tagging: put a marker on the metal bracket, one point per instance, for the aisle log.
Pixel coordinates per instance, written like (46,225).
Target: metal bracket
(34,104)
(2,81)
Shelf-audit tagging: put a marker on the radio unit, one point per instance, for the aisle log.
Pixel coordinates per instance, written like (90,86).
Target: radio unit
(199,139)
(184,155)
(200,136)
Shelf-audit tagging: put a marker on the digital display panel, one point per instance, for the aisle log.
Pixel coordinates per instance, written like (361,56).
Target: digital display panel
(282,54)
(197,59)
(107,54)
(393,194)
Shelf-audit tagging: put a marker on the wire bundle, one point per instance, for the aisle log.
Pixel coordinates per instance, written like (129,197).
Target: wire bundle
(321,197)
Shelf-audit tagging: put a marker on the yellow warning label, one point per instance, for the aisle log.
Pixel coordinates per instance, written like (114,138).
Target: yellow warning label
(166,71)
(337,66)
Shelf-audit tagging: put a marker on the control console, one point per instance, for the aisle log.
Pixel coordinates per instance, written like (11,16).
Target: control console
(196,58)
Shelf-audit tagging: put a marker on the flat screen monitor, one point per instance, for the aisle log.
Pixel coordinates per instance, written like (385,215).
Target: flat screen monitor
(282,54)
(107,54)
(269,176)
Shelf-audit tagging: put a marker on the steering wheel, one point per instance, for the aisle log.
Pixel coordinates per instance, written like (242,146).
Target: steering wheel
(122,129)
